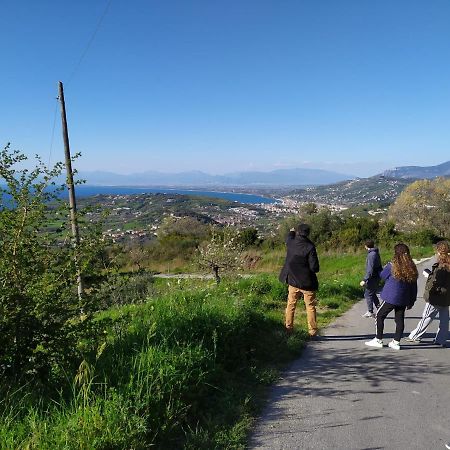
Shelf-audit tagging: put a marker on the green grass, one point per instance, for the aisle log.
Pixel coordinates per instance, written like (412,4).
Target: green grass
(187,368)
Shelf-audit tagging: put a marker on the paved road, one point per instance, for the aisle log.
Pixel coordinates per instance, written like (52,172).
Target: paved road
(344,395)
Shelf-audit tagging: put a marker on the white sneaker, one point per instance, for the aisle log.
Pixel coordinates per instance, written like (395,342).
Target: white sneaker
(394,344)
(368,314)
(410,339)
(377,343)
(447,445)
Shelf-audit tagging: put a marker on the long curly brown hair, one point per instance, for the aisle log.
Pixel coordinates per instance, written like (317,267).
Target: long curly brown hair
(443,254)
(403,267)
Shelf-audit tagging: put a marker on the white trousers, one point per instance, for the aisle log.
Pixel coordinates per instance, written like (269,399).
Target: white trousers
(429,313)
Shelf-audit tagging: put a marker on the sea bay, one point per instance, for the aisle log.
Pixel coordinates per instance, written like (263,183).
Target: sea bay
(87,191)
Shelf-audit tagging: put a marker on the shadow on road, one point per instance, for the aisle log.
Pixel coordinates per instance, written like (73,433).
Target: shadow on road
(386,337)
(335,368)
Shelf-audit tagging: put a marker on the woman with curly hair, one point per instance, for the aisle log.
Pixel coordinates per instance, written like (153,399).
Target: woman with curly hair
(437,296)
(399,292)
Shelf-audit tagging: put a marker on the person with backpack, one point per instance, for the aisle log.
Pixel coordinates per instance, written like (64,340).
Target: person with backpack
(399,292)
(299,272)
(371,279)
(437,297)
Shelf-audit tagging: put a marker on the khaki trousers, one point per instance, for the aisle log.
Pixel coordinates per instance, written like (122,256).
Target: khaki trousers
(309,298)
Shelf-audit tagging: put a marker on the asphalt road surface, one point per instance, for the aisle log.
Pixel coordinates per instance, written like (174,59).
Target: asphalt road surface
(342,394)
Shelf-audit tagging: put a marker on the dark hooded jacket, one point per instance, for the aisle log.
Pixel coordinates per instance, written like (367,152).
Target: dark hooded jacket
(373,265)
(301,263)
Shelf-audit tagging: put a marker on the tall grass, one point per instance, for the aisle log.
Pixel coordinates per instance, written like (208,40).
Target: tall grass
(186,368)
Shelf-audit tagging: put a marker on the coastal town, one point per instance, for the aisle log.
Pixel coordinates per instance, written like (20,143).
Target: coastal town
(138,217)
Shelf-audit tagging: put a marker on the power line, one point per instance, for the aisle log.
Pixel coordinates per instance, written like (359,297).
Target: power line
(53,133)
(89,43)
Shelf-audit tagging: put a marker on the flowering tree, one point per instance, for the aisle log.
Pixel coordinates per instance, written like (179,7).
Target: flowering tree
(222,252)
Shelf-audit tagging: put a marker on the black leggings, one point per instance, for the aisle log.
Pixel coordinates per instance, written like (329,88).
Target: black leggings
(383,312)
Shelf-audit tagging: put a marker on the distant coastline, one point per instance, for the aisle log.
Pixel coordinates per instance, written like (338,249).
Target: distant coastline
(87,191)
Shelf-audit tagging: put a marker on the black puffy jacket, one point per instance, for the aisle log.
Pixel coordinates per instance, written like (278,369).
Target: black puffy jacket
(437,287)
(301,264)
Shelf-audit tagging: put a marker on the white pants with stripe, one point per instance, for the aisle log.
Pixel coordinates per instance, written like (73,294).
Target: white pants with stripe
(429,313)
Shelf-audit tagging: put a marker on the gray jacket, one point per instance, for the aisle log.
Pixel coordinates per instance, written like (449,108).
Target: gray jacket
(373,265)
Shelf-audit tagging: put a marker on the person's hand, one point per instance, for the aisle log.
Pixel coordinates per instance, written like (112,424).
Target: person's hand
(362,283)
(292,229)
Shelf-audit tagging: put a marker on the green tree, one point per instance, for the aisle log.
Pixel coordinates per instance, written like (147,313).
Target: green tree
(184,227)
(248,237)
(178,238)
(386,232)
(39,308)
(323,224)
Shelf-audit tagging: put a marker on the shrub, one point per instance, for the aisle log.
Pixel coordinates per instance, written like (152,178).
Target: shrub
(424,237)
(122,289)
(248,237)
(41,316)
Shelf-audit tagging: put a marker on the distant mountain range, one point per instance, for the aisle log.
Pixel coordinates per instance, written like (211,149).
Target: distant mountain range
(440,170)
(297,177)
(281,177)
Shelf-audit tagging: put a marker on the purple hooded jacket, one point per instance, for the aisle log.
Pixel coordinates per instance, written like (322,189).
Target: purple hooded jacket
(396,292)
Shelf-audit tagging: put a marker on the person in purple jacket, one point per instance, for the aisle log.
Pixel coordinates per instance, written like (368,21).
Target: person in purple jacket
(399,293)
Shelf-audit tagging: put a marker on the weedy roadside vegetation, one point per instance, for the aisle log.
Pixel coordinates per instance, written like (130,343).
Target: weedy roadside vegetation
(187,367)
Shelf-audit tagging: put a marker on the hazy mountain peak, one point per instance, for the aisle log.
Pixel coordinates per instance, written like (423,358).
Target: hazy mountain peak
(440,170)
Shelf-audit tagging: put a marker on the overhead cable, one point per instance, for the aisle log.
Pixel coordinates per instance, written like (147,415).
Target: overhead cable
(89,43)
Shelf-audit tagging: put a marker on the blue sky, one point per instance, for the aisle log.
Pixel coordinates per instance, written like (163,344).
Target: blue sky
(355,86)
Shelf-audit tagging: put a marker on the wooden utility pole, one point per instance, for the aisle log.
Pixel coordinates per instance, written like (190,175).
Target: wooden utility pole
(71,187)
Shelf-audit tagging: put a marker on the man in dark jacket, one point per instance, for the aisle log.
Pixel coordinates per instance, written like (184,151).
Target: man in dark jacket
(299,272)
(371,279)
